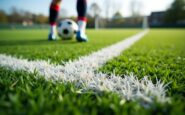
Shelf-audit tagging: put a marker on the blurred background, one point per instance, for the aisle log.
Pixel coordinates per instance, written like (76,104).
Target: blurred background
(101,13)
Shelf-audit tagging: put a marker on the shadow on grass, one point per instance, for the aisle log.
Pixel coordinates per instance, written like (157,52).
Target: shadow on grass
(35,42)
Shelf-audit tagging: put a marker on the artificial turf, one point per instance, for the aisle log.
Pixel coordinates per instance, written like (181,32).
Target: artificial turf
(159,54)
(33,44)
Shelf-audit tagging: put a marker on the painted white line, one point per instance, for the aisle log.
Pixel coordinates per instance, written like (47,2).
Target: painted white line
(82,72)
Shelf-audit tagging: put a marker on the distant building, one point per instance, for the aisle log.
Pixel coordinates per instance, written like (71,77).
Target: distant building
(156,18)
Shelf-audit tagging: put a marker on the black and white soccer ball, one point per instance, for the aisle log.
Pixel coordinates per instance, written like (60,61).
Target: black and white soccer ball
(67,29)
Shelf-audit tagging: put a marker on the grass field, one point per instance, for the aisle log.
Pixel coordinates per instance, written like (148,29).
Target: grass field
(161,54)
(32,44)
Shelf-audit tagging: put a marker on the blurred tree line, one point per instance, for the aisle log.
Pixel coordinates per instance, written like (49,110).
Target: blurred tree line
(22,17)
(174,14)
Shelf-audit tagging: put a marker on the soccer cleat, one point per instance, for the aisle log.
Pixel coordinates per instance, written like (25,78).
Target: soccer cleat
(52,37)
(81,37)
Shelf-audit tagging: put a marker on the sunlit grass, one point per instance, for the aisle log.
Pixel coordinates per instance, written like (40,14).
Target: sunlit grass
(33,44)
(159,54)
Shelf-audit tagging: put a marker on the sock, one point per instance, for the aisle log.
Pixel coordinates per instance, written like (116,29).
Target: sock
(53,14)
(53,29)
(82,11)
(82,24)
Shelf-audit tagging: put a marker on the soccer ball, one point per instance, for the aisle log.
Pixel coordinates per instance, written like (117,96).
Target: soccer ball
(67,29)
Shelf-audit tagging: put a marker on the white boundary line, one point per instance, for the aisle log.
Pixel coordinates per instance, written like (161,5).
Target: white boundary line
(82,72)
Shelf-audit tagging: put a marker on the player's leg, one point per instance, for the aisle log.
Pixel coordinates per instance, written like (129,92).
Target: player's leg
(53,14)
(82,20)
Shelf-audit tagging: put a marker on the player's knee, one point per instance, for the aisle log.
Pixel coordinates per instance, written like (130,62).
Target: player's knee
(56,1)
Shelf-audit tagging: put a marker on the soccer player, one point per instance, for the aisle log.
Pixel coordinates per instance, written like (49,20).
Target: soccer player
(82,20)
